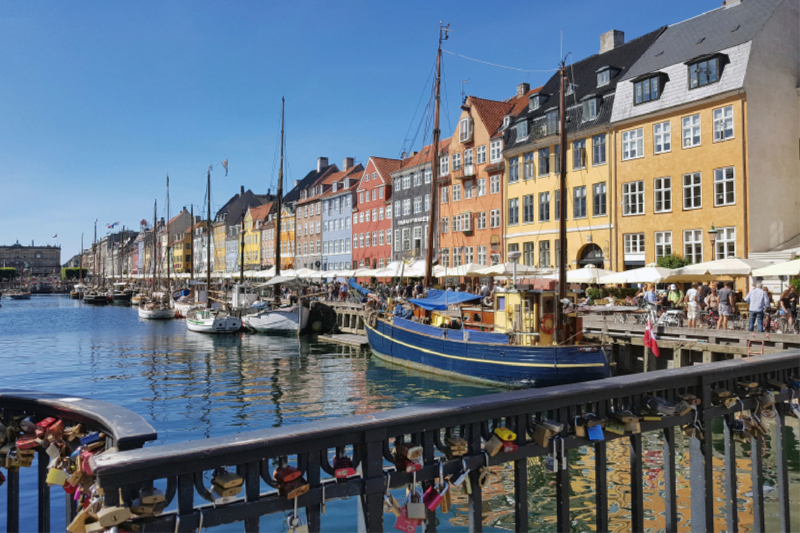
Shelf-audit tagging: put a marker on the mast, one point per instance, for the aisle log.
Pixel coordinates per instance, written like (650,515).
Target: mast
(153,260)
(562,220)
(241,243)
(277,288)
(121,250)
(80,263)
(191,240)
(169,283)
(434,216)
(208,241)
(94,258)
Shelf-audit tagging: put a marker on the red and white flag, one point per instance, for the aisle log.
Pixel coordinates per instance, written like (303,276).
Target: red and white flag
(650,339)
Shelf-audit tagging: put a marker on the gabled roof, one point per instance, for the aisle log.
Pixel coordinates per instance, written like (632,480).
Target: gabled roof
(309,180)
(338,176)
(423,156)
(715,30)
(260,212)
(491,112)
(385,166)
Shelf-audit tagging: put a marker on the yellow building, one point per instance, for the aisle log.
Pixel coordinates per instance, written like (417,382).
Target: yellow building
(254,219)
(181,250)
(219,232)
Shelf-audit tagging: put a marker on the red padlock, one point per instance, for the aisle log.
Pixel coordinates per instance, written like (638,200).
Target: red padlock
(55,431)
(404,523)
(432,497)
(343,467)
(70,489)
(509,446)
(284,474)
(42,425)
(86,466)
(26,442)
(406,465)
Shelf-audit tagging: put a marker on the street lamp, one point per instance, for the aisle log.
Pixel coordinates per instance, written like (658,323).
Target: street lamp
(712,234)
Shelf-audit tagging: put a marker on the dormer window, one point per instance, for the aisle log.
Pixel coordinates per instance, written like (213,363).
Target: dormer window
(506,121)
(570,89)
(465,130)
(646,89)
(346,183)
(704,72)
(603,76)
(522,130)
(590,107)
(334,186)
(535,102)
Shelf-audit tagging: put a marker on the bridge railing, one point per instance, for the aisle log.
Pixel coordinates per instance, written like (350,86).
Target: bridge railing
(123,429)
(253,455)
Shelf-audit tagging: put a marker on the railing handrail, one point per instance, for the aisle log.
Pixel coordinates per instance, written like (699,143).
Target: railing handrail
(128,429)
(173,459)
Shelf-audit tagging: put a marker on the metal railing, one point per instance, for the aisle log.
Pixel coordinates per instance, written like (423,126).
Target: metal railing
(253,454)
(124,430)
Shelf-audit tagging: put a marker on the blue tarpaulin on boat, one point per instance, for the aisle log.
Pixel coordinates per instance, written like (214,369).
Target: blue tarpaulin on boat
(354,284)
(438,300)
(472,335)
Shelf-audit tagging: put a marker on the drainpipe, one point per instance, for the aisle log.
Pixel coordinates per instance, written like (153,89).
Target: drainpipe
(615,233)
(745,186)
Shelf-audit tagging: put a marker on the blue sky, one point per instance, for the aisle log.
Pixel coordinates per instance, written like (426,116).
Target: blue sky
(100,100)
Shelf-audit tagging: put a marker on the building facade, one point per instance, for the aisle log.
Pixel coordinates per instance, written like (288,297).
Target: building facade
(200,244)
(287,239)
(41,260)
(337,209)
(411,185)
(372,214)
(308,215)
(254,222)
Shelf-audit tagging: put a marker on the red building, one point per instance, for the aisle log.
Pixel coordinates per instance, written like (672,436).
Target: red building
(372,215)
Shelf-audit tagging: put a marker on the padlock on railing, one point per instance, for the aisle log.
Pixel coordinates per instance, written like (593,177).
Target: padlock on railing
(404,523)
(590,426)
(545,430)
(723,397)
(42,425)
(502,439)
(747,389)
(296,524)
(552,460)
(435,493)
(629,421)
(766,400)
(225,486)
(343,468)
(290,481)
(463,479)
(455,446)
(409,451)
(414,506)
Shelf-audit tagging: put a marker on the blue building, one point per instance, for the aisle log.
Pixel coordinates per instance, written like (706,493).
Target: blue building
(337,209)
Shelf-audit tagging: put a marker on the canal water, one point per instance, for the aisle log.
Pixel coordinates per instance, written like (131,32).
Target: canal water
(193,386)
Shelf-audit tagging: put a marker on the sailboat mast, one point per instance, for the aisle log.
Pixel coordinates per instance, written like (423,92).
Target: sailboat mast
(153,260)
(433,216)
(169,283)
(562,221)
(279,212)
(80,262)
(241,243)
(94,259)
(191,240)
(208,242)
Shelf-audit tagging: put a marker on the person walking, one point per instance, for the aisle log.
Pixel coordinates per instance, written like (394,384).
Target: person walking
(759,302)
(786,307)
(692,305)
(650,294)
(675,296)
(726,305)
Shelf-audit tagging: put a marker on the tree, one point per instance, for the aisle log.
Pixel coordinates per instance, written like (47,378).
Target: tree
(72,273)
(672,261)
(8,273)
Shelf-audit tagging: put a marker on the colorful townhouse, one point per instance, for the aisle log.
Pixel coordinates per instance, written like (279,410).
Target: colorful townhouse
(287,239)
(372,214)
(200,243)
(532,154)
(226,256)
(411,200)
(470,191)
(337,208)
(705,139)
(254,221)
(308,215)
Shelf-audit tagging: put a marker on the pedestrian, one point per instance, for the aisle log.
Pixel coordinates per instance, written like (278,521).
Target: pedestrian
(650,294)
(419,289)
(343,292)
(693,305)
(676,296)
(786,307)
(485,291)
(759,302)
(712,300)
(704,290)
(409,291)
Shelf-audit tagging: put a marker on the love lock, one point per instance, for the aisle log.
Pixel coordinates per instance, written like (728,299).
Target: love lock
(415,508)
(455,446)
(463,479)
(552,462)
(343,467)
(225,486)
(435,493)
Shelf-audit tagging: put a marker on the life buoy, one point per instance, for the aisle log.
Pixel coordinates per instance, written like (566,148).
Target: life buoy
(545,329)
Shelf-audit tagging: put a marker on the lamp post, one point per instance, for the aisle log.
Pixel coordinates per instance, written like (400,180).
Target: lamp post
(712,235)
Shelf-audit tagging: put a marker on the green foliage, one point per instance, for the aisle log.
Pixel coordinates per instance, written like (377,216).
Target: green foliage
(595,294)
(795,283)
(672,261)
(8,273)
(617,292)
(72,273)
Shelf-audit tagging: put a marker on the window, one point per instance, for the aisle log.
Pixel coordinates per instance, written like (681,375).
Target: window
(456,223)
(544,254)
(494,218)
(544,161)
(444,257)
(579,202)
(527,208)
(428,175)
(481,154)
(469,190)
(579,154)
(444,165)
(456,256)
(407,181)
(407,206)
(724,191)
(388,236)
(496,151)
(558,204)
(691,131)
(417,179)
(544,206)
(513,170)
(482,220)
(374,194)
(388,211)
(522,131)
(482,187)
(528,169)
(599,199)
(633,198)
(380,213)
(482,255)
(661,138)
(465,130)
(513,211)
(494,184)
(723,123)
(725,243)
(527,254)
(397,208)
(551,122)
(468,255)
(703,73)
(417,205)
(406,239)
(557,159)
(599,149)
(468,157)
(427,201)
(457,192)
(663,195)
(693,246)
(457,161)
(634,243)
(692,191)
(632,144)
(445,224)
(367,216)
(603,77)
(646,90)
(663,243)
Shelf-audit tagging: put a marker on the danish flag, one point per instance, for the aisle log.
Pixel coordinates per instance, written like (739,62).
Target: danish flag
(650,339)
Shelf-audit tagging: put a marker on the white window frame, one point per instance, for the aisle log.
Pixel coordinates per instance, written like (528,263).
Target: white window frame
(692,239)
(662,138)
(445,225)
(481,155)
(496,153)
(494,184)
(691,134)
(407,206)
(725,243)
(662,193)
(695,185)
(723,124)
(724,180)
(633,243)
(465,130)
(481,220)
(456,161)
(632,144)
(663,241)
(522,131)
(494,218)
(444,165)
(417,204)
(445,194)
(482,187)
(633,198)
(482,255)
(457,192)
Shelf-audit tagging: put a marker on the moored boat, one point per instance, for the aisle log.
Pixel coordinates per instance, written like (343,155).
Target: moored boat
(156,307)
(281,320)
(96,298)
(212,321)
(19,295)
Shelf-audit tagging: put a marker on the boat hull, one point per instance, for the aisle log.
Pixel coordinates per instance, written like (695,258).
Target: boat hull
(156,314)
(496,364)
(19,296)
(219,324)
(279,321)
(96,299)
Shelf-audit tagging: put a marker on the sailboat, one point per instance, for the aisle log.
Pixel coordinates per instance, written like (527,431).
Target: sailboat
(95,296)
(210,320)
(77,291)
(273,318)
(536,338)
(157,304)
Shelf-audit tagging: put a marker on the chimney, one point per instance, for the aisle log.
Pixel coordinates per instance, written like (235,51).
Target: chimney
(322,162)
(611,39)
(523,88)
(296,183)
(241,191)
(347,164)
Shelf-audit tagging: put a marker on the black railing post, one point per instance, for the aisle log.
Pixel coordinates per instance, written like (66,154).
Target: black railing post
(476,500)
(697,481)
(781,448)
(601,478)
(185,499)
(757,474)
(731,506)
(12,508)
(427,459)
(562,478)
(252,491)
(637,489)
(521,478)
(670,488)
(372,471)
(312,510)
(44,491)
(707,447)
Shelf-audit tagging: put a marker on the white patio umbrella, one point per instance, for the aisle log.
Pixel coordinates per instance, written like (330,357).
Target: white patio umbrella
(469,270)
(264,274)
(647,274)
(587,274)
(344,273)
(732,266)
(305,273)
(507,269)
(788,268)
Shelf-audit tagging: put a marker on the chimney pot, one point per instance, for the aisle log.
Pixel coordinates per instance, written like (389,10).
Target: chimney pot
(322,162)
(611,39)
(347,164)
(523,88)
